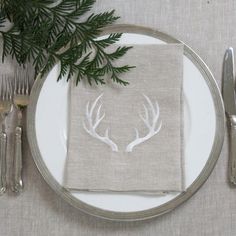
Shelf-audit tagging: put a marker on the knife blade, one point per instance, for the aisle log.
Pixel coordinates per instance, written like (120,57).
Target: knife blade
(230,108)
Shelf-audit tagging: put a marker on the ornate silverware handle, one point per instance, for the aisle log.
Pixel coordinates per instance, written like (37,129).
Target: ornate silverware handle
(3,148)
(232,150)
(17,185)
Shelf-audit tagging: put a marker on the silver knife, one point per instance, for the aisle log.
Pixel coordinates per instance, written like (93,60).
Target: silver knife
(230,108)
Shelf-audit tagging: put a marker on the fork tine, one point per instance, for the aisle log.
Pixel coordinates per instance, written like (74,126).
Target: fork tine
(26,78)
(24,74)
(21,82)
(27,84)
(9,90)
(15,81)
(1,88)
(14,84)
(4,89)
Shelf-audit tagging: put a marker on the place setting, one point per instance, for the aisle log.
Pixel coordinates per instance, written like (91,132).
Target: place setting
(124,122)
(135,152)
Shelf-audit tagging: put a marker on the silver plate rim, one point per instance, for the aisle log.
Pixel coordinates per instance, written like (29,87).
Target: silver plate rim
(153,212)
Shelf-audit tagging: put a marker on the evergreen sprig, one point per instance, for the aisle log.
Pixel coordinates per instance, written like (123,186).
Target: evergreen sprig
(47,31)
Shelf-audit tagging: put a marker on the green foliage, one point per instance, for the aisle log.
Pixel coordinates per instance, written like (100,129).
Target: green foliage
(48,31)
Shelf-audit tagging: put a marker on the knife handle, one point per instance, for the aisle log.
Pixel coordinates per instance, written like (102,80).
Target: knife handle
(232,150)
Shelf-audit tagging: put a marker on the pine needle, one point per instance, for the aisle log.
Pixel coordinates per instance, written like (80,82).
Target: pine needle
(46,31)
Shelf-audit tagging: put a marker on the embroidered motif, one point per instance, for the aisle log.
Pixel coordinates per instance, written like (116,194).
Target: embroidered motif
(93,124)
(151,121)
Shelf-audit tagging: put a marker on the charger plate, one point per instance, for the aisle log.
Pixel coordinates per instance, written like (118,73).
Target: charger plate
(203,128)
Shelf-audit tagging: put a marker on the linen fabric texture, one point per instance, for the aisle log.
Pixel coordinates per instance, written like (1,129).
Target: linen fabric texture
(137,144)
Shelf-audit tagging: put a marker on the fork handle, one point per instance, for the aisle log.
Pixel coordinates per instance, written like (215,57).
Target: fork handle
(17,185)
(3,147)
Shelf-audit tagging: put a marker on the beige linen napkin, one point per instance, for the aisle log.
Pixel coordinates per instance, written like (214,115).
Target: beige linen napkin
(130,138)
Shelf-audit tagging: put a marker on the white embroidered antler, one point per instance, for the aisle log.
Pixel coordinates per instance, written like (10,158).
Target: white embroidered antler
(152,123)
(93,124)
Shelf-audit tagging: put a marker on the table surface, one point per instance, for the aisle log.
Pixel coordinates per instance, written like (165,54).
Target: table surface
(209,27)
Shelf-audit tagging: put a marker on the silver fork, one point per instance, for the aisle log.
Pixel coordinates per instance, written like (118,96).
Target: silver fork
(5,109)
(20,100)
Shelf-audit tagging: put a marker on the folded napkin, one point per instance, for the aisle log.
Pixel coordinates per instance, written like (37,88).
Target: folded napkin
(130,138)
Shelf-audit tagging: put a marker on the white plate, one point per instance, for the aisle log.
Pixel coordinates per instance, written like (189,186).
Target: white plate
(203,120)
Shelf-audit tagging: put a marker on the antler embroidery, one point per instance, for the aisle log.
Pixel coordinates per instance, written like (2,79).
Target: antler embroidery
(93,124)
(150,123)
